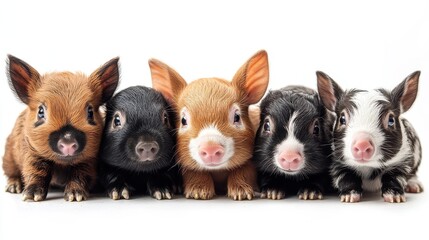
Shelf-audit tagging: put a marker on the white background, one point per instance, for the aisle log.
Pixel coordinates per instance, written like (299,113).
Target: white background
(365,44)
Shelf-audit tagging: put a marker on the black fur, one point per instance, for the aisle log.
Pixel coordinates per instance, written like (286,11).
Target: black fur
(144,110)
(279,106)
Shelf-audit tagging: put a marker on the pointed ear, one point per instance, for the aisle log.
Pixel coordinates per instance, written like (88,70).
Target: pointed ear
(106,77)
(166,80)
(406,92)
(252,78)
(329,91)
(23,79)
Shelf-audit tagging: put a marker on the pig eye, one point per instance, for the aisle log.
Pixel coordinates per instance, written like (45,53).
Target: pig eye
(41,113)
(184,121)
(237,117)
(267,126)
(343,120)
(90,114)
(391,121)
(316,128)
(165,119)
(117,121)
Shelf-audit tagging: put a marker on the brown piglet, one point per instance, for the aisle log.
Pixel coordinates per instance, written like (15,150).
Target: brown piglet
(214,132)
(55,140)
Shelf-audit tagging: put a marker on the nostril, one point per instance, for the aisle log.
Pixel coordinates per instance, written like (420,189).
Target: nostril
(74,146)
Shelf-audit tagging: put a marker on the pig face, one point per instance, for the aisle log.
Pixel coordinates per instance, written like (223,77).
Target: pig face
(292,139)
(138,135)
(214,129)
(368,131)
(63,122)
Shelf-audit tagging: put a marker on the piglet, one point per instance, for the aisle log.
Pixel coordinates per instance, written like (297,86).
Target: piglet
(375,148)
(215,136)
(292,150)
(56,139)
(137,150)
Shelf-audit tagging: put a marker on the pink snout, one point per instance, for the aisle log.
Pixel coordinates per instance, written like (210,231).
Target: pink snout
(211,153)
(67,147)
(290,160)
(362,148)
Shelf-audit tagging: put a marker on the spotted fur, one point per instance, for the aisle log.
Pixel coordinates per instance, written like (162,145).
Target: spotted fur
(397,153)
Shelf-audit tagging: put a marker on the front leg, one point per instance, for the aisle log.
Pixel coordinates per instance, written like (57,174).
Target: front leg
(37,174)
(349,185)
(393,185)
(114,182)
(80,179)
(272,187)
(161,185)
(310,191)
(198,184)
(241,182)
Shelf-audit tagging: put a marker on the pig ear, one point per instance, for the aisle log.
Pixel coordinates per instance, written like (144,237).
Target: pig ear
(106,77)
(166,80)
(23,79)
(329,91)
(252,78)
(406,92)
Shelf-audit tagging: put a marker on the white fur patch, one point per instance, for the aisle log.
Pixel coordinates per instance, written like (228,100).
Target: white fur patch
(291,143)
(404,151)
(365,118)
(211,134)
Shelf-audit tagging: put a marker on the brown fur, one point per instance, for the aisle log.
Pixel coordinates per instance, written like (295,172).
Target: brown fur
(208,101)
(29,159)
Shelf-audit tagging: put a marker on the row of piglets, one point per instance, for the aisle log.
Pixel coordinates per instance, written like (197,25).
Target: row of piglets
(203,139)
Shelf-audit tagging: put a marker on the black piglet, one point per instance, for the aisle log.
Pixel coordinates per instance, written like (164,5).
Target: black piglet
(137,153)
(292,150)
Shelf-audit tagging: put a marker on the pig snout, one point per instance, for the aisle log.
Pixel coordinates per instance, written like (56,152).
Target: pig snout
(211,153)
(362,147)
(147,151)
(68,145)
(290,160)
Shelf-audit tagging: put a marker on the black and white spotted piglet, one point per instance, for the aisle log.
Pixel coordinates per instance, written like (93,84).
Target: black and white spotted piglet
(374,147)
(137,149)
(292,149)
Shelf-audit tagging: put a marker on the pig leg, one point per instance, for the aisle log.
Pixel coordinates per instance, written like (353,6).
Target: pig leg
(348,184)
(161,186)
(241,182)
(198,185)
(272,187)
(11,170)
(414,185)
(37,176)
(393,185)
(114,182)
(310,191)
(80,179)
(313,188)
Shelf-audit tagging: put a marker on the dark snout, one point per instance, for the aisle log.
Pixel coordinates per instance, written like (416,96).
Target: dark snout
(68,141)
(147,150)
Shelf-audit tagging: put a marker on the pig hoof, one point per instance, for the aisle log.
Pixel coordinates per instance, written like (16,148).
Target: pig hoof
(393,197)
(122,193)
(241,193)
(307,194)
(351,197)
(77,195)
(162,194)
(34,193)
(273,194)
(14,186)
(414,186)
(202,193)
